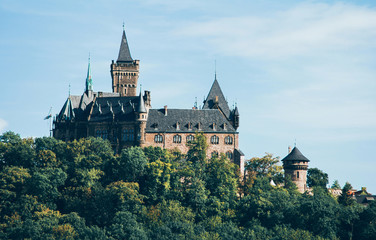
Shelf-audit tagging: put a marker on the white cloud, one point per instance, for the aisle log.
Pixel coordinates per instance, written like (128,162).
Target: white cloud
(3,124)
(301,31)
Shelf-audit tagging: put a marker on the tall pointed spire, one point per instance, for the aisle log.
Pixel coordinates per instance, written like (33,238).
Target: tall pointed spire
(89,81)
(216,99)
(124,53)
(141,104)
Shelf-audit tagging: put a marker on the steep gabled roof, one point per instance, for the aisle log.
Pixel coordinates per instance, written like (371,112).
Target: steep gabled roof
(66,113)
(210,102)
(124,53)
(295,155)
(106,109)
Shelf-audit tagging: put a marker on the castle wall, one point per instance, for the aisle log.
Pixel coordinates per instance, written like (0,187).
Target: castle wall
(168,142)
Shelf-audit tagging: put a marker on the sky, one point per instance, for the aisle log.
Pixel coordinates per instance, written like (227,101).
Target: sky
(300,72)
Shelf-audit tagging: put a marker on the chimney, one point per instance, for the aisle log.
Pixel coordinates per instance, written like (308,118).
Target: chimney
(216,99)
(289,149)
(165,110)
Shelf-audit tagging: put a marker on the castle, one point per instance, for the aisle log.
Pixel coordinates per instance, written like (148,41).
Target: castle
(127,119)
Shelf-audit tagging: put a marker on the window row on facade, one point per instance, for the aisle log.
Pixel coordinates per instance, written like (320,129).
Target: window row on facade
(177,139)
(228,154)
(190,126)
(126,74)
(127,135)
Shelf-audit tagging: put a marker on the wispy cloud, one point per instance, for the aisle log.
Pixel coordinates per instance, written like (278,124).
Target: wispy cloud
(303,30)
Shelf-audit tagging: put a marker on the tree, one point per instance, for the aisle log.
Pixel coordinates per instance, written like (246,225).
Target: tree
(345,198)
(125,226)
(221,179)
(265,167)
(317,178)
(197,150)
(336,185)
(131,165)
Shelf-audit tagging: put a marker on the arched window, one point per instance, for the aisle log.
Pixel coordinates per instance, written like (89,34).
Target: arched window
(214,140)
(190,138)
(158,138)
(176,139)
(228,140)
(214,154)
(229,155)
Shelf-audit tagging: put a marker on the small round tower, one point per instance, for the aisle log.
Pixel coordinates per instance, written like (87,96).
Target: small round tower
(295,165)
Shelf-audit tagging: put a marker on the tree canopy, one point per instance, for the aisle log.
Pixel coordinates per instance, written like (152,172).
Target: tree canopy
(51,189)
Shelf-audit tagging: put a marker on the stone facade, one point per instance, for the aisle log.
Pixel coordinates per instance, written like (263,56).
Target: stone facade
(179,141)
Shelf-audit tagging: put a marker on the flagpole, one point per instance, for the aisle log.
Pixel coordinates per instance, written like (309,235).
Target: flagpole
(51,126)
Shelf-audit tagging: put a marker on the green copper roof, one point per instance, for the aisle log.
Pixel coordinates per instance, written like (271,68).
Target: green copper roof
(89,81)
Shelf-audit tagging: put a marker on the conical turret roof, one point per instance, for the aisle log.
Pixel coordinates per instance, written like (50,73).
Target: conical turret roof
(215,94)
(295,155)
(141,105)
(124,53)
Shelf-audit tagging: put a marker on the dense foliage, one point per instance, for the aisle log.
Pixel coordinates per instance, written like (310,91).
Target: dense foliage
(50,189)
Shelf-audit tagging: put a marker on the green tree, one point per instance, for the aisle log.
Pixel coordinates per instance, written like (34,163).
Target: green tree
(222,180)
(316,178)
(265,167)
(130,166)
(345,198)
(336,185)
(125,226)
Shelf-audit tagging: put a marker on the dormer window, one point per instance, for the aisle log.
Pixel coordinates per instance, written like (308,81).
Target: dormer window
(224,126)
(189,126)
(214,127)
(177,126)
(199,126)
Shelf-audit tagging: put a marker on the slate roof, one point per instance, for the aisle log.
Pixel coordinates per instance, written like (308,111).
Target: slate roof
(222,103)
(124,53)
(141,104)
(158,122)
(295,155)
(67,113)
(114,108)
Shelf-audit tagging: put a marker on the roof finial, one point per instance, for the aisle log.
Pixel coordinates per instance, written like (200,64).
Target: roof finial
(295,143)
(140,88)
(69,90)
(123,26)
(215,69)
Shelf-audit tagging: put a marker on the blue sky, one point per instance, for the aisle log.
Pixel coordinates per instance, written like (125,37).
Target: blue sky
(303,70)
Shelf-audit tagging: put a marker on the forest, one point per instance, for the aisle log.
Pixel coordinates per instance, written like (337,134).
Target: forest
(50,189)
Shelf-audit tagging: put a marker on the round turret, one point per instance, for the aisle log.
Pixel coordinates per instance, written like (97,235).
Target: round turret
(295,165)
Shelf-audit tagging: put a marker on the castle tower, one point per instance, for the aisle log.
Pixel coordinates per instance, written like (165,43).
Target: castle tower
(295,165)
(125,71)
(141,117)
